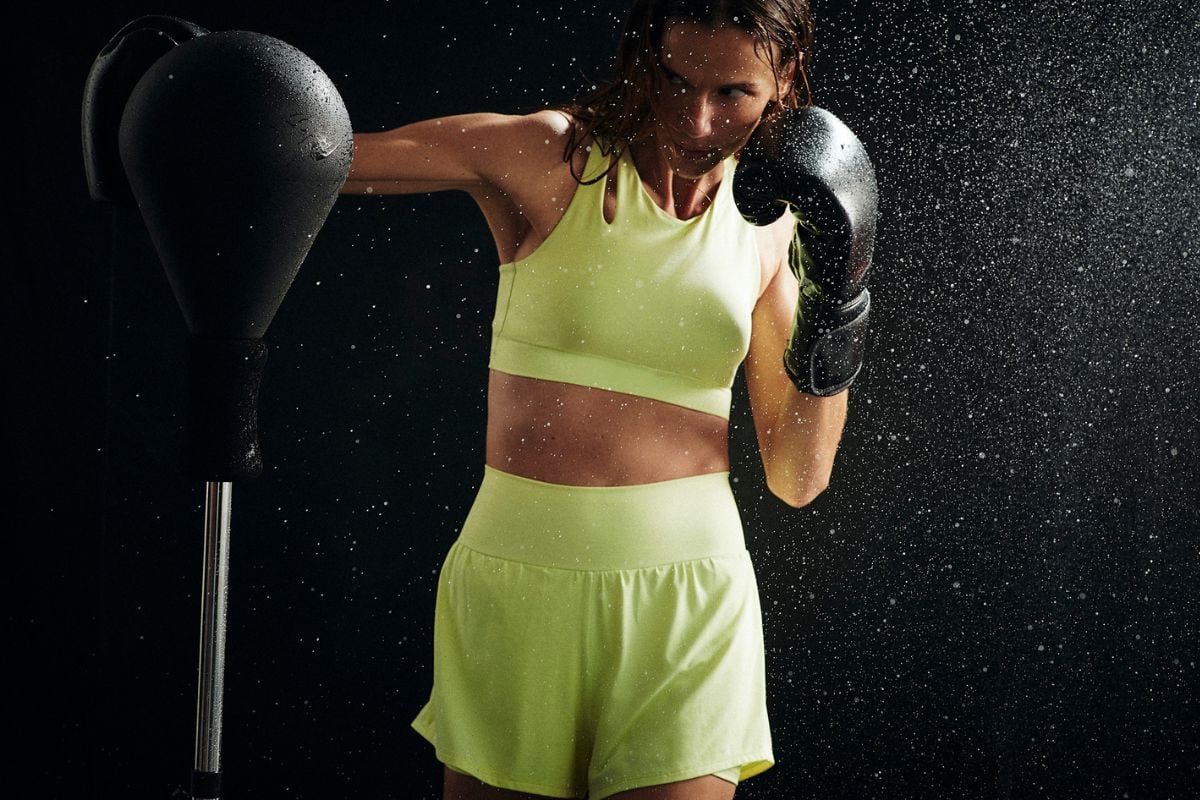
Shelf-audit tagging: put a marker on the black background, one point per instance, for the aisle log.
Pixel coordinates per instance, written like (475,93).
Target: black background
(996,598)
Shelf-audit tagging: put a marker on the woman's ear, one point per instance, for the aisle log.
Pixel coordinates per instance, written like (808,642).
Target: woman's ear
(795,81)
(787,76)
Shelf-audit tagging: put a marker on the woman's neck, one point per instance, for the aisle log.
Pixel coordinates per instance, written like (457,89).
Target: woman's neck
(680,196)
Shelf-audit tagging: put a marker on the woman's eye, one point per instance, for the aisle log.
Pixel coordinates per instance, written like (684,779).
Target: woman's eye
(735,92)
(670,77)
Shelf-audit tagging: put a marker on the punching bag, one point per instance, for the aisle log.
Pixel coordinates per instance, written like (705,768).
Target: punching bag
(235,145)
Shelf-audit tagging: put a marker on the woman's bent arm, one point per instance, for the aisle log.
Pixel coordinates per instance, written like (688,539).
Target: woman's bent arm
(798,433)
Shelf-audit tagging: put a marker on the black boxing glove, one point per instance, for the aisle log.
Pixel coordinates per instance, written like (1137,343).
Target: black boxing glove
(811,163)
(116,70)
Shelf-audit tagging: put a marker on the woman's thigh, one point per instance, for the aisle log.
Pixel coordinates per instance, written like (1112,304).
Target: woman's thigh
(709,787)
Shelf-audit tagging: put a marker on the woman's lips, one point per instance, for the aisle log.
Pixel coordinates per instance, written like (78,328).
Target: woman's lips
(695,153)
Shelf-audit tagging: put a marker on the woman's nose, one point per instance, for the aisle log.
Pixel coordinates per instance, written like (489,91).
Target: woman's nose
(697,116)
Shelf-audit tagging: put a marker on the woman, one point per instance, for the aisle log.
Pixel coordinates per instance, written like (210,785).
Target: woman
(598,630)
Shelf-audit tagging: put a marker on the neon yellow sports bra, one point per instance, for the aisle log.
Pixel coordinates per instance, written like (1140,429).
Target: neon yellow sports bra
(648,305)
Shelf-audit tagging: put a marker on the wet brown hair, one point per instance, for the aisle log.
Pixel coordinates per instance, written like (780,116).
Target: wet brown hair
(617,113)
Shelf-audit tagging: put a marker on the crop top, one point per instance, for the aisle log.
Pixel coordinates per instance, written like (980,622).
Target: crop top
(647,305)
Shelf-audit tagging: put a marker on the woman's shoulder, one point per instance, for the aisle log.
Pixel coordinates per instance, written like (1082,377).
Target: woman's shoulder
(542,140)
(539,129)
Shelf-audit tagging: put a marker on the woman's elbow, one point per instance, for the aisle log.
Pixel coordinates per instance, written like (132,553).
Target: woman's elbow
(797,493)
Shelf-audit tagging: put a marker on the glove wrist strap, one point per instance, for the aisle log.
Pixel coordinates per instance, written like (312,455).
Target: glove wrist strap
(828,344)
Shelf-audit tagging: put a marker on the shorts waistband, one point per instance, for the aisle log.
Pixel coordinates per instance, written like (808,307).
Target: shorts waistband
(604,527)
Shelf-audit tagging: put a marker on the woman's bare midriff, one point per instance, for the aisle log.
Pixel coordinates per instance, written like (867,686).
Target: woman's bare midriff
(564,433)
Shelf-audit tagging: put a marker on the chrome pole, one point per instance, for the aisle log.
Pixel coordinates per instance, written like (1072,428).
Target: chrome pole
(206,766)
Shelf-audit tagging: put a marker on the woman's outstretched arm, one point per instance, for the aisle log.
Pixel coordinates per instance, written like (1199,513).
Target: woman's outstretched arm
(798,433)
(466,152)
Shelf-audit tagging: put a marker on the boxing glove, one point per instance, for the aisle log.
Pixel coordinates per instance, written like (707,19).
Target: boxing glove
(810,163)
(116,70)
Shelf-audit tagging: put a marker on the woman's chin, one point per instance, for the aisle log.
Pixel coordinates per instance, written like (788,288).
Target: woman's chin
(693,167)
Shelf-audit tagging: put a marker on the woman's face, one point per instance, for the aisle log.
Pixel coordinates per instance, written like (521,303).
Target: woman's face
(712,88)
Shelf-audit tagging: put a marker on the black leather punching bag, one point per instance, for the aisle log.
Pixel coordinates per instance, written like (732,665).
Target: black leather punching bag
(235,145)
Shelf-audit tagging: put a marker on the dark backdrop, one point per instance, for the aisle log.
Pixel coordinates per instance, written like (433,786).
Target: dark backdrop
(994,599)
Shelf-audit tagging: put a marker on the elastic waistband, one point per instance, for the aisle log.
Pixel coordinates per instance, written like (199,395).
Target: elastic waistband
(604,527)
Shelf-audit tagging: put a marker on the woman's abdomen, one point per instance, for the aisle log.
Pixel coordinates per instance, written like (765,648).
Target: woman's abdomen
(576,435)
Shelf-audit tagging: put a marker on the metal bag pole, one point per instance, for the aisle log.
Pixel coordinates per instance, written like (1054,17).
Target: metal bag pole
(206,763)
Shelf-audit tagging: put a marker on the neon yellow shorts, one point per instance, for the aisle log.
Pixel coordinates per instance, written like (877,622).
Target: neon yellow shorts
(598,639)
